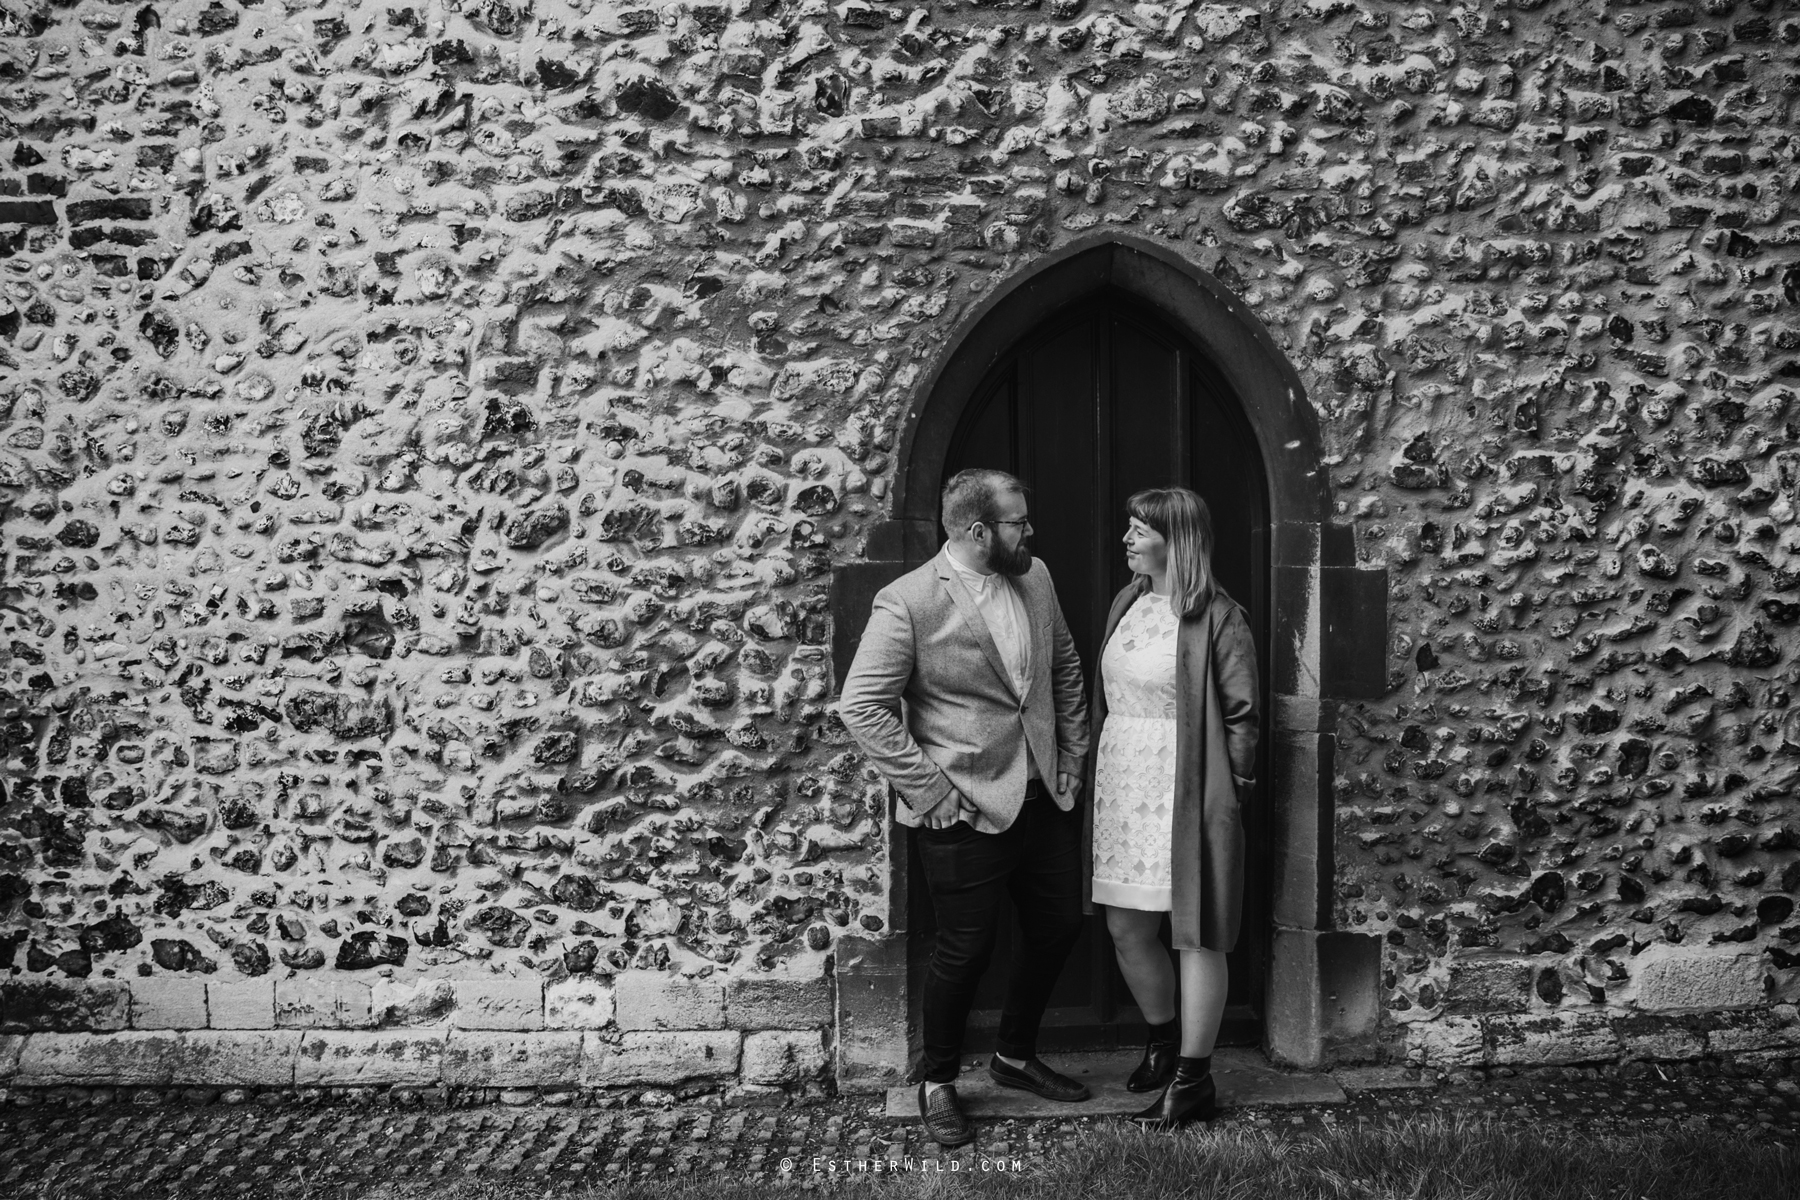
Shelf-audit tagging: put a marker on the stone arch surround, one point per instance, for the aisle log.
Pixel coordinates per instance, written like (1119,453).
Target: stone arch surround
(1329,623)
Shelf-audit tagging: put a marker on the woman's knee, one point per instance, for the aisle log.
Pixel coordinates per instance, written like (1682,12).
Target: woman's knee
(1133,931)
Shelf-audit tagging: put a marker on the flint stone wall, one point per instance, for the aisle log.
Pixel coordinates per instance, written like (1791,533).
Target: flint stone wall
(426,433)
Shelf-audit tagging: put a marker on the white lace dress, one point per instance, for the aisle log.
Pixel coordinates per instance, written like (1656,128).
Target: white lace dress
(1134,777)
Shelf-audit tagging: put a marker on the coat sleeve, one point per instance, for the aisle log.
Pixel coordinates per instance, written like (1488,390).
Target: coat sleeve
(870,705)
(1070,696)
(1240,696)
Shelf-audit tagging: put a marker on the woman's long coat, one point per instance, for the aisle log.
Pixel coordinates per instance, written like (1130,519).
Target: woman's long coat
(1217,706)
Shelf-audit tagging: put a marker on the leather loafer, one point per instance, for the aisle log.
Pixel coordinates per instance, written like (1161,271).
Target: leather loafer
(1034,1076)
(943,1117)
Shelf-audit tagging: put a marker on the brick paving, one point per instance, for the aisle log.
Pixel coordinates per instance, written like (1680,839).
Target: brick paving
(283,1145)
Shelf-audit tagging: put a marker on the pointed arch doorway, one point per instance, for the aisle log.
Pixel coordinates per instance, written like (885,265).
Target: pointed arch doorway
(1102,399)
(1106,367)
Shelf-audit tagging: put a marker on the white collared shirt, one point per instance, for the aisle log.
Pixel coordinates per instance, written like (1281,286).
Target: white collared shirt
(1001,606)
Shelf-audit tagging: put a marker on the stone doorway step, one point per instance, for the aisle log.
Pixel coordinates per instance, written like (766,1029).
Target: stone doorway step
(1245,1078)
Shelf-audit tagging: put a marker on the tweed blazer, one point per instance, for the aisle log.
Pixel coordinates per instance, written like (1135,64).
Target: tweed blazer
(1217,720)
(931,703)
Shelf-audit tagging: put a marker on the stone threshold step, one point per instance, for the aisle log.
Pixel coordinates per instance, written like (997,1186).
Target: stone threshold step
(1244,1076)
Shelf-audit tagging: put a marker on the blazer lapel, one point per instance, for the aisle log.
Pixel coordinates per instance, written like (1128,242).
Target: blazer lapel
(965,604)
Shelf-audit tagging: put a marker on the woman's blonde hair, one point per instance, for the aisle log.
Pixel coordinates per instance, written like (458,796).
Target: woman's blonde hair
(1182,519)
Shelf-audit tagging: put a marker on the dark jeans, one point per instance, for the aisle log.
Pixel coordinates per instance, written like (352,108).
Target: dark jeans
(1037,859)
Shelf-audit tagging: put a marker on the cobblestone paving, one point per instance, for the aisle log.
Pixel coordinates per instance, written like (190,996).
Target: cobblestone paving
(274,1146)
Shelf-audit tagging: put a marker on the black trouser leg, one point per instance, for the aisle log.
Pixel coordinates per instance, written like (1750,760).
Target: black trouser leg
(1046,893)
(966,873)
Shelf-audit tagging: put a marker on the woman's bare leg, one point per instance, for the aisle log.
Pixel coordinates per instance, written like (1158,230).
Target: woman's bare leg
(1144,961)
(1204,976)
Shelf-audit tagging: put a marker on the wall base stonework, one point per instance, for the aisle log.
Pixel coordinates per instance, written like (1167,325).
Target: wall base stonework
(1599,1035)
(768,1033)
(1667,1003)
(340,1081)
(553,1060)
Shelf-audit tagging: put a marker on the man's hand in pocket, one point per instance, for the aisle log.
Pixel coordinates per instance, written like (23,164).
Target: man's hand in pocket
(948,811)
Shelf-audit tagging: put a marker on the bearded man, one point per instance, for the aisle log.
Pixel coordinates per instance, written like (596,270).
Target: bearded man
(966,693)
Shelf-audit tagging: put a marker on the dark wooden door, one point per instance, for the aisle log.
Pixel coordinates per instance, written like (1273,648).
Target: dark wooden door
(1100,401)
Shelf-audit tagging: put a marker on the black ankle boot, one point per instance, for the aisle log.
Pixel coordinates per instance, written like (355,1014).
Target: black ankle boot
(1190,1096)
(1158,1066)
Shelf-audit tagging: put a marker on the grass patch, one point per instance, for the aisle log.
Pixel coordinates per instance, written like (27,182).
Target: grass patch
(1433,1158)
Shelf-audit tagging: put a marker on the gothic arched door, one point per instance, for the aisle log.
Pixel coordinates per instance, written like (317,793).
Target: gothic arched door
(1098,401)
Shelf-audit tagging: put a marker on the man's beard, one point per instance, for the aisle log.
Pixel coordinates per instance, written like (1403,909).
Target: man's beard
(1014,562)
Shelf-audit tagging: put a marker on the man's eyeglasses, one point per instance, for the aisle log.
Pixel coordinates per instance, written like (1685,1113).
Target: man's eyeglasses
(1023,522)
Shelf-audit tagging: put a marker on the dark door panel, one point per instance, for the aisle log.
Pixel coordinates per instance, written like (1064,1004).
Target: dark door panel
(1101,401)
(1056,378)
